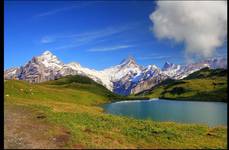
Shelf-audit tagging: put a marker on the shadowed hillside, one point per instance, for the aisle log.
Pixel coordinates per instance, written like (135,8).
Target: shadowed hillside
(204,85)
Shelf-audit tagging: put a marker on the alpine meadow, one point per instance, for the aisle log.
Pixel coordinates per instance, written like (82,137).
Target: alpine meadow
(115,74)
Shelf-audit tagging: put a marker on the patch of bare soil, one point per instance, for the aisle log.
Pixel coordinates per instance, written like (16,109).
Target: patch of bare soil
(27,129)
(78,146)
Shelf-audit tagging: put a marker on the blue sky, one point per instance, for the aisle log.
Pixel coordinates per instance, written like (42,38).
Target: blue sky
(95,34)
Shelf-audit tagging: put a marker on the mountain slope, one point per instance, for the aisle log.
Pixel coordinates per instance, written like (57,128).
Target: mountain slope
(205,84)
(82,88)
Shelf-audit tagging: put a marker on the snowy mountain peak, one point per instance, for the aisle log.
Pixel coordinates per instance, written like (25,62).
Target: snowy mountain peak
(128,60)
(169,66)
(73,65)
(49,60)
(152,67)
(47,52)
(47,55)
(166,65)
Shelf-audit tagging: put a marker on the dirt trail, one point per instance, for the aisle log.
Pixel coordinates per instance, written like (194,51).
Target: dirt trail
(25,128)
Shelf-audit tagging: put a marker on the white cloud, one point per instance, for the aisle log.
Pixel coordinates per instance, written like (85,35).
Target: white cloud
(62,9)
(47,39)
(201,25)
(52,12)
(154,56)
(113,48)
(85,38)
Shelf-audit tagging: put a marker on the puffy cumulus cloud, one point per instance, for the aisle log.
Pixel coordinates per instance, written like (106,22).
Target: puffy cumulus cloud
(201,25)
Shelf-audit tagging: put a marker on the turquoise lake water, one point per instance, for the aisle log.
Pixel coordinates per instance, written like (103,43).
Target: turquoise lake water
(210,113)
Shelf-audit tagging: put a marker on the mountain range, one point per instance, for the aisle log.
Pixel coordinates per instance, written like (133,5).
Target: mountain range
(125,78)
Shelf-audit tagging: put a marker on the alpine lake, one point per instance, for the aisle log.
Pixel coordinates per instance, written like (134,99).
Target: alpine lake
(208,113)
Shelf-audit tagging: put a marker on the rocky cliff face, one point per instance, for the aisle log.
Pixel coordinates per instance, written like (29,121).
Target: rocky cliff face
(40,69)
(150,77)
(126,78)
(11,73)
(32,72)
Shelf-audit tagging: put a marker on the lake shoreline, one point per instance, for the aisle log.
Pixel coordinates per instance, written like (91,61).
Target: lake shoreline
(159,98)
(197,100)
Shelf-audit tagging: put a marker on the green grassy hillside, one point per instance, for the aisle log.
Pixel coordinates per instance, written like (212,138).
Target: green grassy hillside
(203,85)
(64,113)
